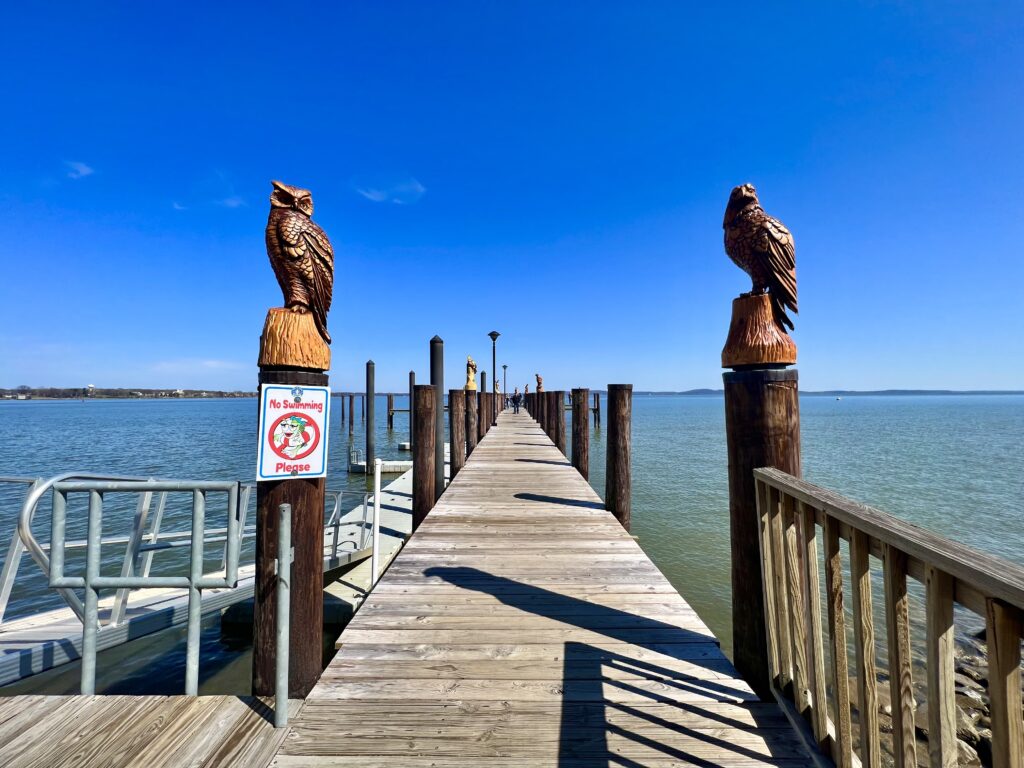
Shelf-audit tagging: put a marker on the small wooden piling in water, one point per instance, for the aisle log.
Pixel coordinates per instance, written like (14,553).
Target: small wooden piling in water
(456,430)
(581,432)
(371,432)
(424,433)
(597,409)
(618,478)
(351,414)
(412,386)
(391,411)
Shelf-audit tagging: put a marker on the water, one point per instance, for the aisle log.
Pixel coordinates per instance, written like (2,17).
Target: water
(953,464)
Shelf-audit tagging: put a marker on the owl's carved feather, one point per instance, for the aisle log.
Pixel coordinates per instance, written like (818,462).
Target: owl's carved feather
(763,248)
(300,254)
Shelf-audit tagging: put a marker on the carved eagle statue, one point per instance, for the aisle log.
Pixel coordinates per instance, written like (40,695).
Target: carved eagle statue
(763,248)
(300,254)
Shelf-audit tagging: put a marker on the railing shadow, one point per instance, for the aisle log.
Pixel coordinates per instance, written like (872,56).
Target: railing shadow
(622,709)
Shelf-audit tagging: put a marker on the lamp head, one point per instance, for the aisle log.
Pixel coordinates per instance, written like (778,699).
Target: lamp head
(494,335)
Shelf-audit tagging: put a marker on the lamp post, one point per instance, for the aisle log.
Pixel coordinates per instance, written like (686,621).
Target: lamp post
(504,384)
(494,374)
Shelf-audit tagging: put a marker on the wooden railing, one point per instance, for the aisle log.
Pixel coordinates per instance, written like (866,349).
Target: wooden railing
(791,512)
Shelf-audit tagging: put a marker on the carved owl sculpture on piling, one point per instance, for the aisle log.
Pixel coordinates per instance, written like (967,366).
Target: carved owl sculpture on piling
(301,254)
(763,248)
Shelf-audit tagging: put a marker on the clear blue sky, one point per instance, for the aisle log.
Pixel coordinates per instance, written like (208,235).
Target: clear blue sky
(554,171)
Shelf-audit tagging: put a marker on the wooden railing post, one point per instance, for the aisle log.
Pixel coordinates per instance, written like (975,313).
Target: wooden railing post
(581,432)
(371,436)
(456,430)
(424,434)
(762,424)
(558,423)
(437,382)
(1003,635)
(618,474)
(471,419)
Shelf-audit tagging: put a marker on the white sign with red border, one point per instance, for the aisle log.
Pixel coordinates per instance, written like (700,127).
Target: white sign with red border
(293,431)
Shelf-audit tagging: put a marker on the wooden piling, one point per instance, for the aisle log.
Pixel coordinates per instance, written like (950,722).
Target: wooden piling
(391,411)
(483,423)
(284,361)
(424,434)
(412,386)
(351,414)
(371,432)
(437,382)
(597,409)
(618,477)
(762,425)
(342,399)
(471,419)
(558,423)
(362,407)
(456,430)
(581,432)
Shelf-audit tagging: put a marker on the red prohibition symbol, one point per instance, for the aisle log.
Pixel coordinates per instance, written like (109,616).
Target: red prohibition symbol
(294,436)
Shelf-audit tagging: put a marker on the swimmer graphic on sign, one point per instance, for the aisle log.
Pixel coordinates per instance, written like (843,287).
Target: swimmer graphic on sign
(294,436)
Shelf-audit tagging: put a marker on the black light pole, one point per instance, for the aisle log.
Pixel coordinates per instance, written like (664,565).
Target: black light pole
(504,383)
(494,374)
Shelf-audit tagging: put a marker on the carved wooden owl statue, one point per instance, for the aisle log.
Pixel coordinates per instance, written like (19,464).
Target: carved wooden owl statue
(301,254)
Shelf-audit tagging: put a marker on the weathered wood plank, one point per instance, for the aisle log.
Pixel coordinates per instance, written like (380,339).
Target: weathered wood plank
(901,681)
(864,651)
(842,753)
(942,749)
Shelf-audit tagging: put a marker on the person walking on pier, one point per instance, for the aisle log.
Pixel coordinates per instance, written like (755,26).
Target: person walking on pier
(516,400)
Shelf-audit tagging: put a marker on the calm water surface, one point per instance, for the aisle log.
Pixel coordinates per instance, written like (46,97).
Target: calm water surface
(954,464)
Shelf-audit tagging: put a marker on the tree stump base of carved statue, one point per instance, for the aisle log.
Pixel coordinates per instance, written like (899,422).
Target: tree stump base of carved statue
(290,339)
(755,339)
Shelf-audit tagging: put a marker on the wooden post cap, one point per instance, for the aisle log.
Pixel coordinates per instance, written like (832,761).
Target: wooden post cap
(291,340)
(755,338)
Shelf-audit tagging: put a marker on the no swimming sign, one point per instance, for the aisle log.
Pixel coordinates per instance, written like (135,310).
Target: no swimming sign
(293,431)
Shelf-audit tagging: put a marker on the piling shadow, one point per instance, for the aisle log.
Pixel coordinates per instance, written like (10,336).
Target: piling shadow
(546,461)
(588,716)
(559,500)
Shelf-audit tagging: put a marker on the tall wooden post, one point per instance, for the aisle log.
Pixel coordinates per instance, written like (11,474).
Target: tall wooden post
(559,421)
(762,425)
(423,455)
(291,352)
(362,406)
(597,409)
(581,432)
(483,423)
(391,411)
(437,382)
(371,432)
(341,397)
(456,430)
(471,418)
(351,414)
(412,386)
(618,473)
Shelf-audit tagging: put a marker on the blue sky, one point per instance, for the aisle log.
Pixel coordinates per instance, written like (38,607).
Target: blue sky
(554,171)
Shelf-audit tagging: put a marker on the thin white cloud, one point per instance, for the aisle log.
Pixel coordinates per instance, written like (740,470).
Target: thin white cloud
(78,170)
(403,192)
(178,206)
(232,201)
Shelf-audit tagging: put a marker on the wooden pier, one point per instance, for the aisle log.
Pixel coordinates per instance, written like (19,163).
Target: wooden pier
(522,625)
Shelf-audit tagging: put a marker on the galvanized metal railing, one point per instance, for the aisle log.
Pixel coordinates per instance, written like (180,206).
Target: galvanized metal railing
(145,536)
(791,512)
(93,581)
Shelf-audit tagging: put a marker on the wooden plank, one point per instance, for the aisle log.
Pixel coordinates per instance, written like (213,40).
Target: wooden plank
(942,749)
(842,751)
(761,494)
(1003,634)
(812,590)
(901,681)
(782,602)
(864,651)
(797,613)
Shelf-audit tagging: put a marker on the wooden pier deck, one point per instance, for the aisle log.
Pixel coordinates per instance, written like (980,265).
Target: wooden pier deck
(521,625)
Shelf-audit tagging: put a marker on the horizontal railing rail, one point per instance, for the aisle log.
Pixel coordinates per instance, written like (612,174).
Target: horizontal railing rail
(794,517)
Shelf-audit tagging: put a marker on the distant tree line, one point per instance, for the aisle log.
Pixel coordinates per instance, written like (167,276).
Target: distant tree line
(46,393)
